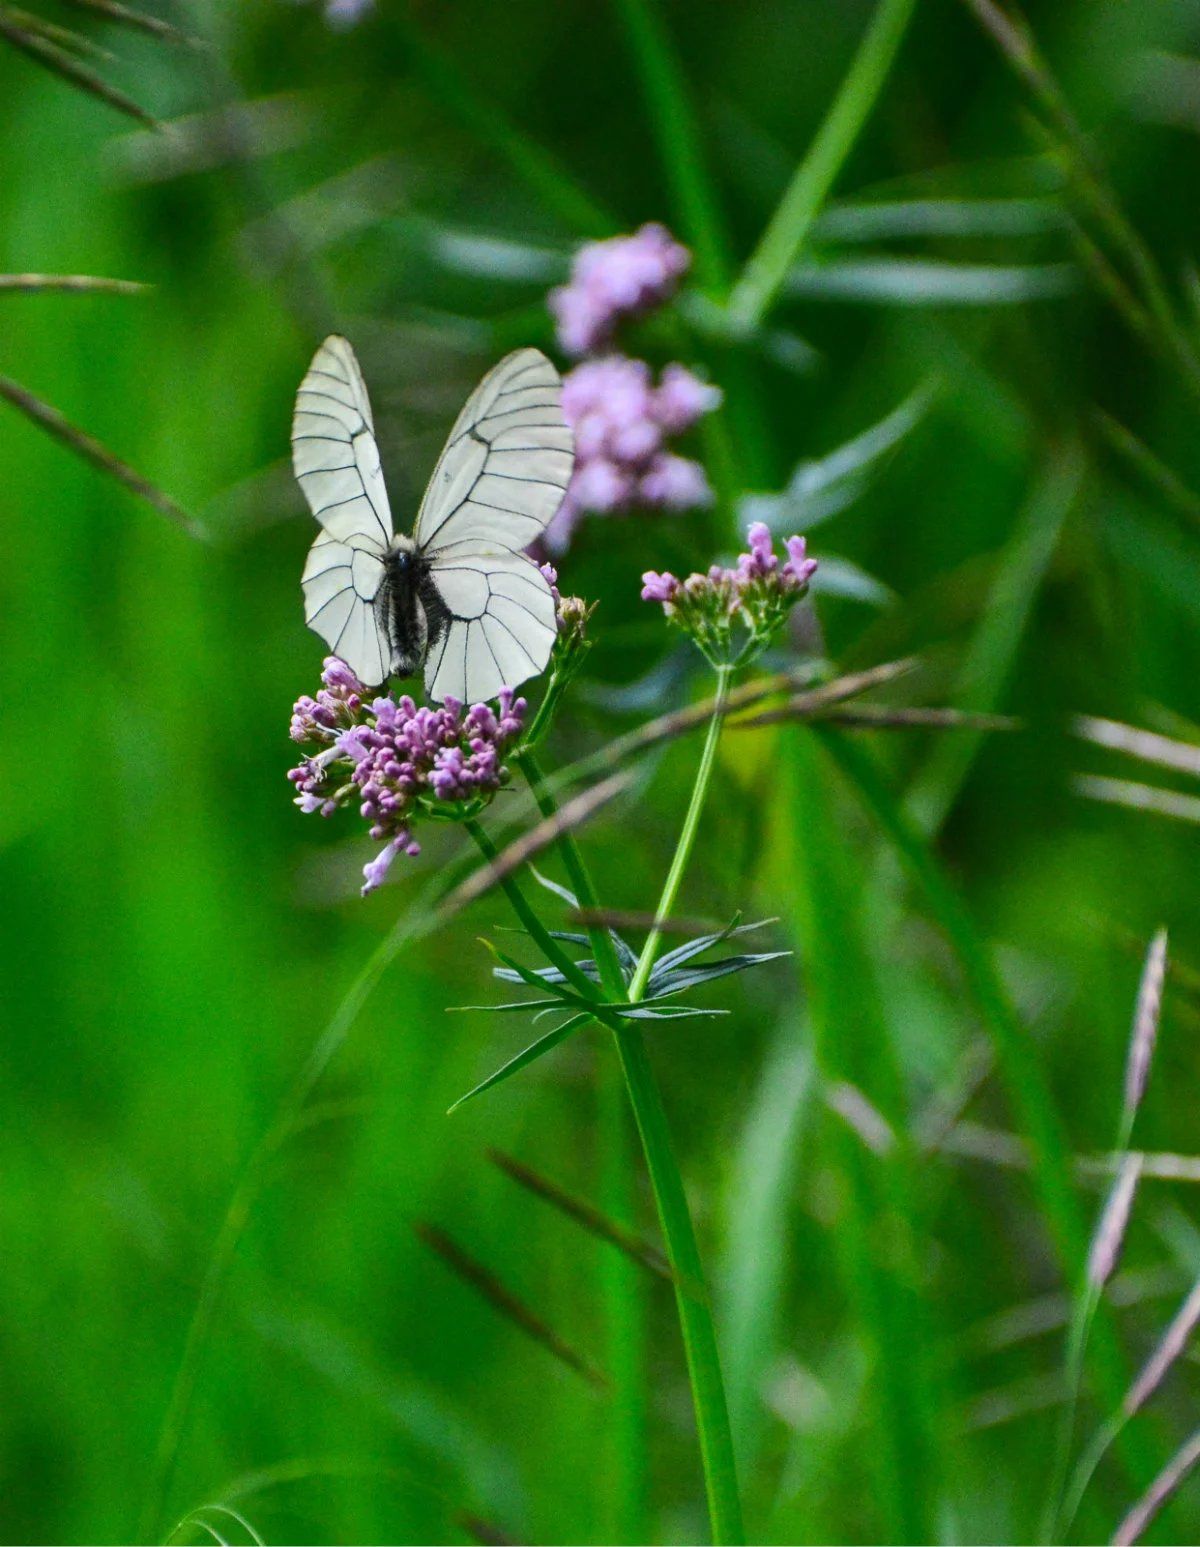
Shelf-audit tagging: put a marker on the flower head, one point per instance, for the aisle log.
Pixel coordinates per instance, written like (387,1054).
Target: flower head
(752,599)
(399,762)
(623,277)
(622,421)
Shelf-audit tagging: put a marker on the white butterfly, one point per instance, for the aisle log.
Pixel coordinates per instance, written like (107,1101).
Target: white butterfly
(458,596)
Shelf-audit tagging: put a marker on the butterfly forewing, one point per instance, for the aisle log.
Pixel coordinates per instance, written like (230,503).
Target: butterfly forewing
(334,451)
(500,479)
(507,463)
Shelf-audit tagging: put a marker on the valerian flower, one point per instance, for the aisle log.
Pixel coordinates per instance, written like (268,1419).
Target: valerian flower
(400,763)
(733,614)
(614,280)
(622,421)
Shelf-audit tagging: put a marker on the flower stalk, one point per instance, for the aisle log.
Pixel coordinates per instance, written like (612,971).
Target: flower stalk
(694,1311)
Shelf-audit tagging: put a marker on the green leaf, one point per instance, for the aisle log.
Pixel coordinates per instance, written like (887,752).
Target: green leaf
(679,982)
(702,943)
(820,488)
(844,578)
(523,1059)
(929,282)
(500,1009)
(645,1012)
(892,218)
(553,886)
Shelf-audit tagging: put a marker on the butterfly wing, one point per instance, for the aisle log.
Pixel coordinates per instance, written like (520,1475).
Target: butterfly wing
(502,624)
(500,479)
(337,465)
(334,451)
(340,584)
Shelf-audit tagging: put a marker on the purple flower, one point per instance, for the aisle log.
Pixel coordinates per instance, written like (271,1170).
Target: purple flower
(333,709)
(757,594)
(622,422)
(682,399)
(623,277)
(659,588)
(400,761)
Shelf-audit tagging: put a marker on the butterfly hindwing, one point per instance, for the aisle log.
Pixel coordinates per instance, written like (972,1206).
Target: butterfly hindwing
(340,585)
(501,627)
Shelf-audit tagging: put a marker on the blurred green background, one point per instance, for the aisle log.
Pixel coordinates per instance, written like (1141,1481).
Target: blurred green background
(177,938)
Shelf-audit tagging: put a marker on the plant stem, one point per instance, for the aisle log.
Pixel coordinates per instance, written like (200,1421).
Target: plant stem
(621,1284)
(520,906)
(603,950)
(687,838)
(792,221)
(695,1316)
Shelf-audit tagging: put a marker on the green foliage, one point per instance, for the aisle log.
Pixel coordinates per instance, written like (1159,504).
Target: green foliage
(957,344)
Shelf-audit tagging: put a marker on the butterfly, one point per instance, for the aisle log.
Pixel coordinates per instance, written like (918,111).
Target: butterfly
(459,597)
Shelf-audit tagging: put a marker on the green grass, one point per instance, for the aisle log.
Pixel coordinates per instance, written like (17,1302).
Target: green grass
(193,986)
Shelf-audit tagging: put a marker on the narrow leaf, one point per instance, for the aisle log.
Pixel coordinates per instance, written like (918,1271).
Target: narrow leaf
(500,1009)
(634,1246)
(89,282)
(503,1300)
(523,1059)
(93,451)
(680,982)
(138,20)
(928,282)
(644,1012)
(60,63)
(553,886)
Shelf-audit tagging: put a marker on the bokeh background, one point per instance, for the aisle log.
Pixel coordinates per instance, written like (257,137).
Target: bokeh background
(177,937)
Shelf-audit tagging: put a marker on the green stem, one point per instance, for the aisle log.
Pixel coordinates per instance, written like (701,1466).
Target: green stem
(621,1284)
(687,838)
(603,950)
(695,1316)
(792,222)
(550,947)
(673,123)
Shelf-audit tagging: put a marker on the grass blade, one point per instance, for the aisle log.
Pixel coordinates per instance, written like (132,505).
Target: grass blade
(928,282)
(91,450)
(673,123)
(110,10)
(451,90)
(1027,1089)
(992,652)
(791,225)
(72,282)
(39,48)
(637,1249)
(485,1283)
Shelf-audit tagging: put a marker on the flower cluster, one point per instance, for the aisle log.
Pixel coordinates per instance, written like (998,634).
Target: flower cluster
(753,598)
(398,761)
(622,420)
(611,281)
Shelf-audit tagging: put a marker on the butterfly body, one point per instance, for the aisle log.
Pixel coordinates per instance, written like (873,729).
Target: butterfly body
(408,608)
(459,597)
